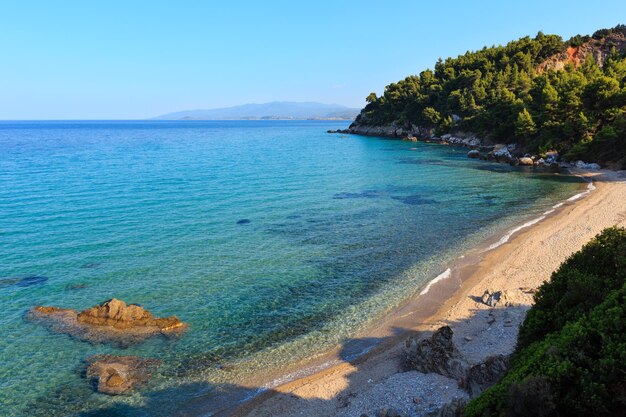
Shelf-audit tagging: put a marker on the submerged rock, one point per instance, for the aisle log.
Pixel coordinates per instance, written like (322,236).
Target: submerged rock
(473,154)
(437,354)
(243,221)
(116,375)
(110,322)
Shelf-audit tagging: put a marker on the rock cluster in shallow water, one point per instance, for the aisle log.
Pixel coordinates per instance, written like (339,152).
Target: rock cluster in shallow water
(112,322)
(116,375)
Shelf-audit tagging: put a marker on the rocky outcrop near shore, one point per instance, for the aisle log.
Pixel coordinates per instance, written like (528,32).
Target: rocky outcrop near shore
(437,354)
(115,375)
(440,355)
(113,322)
(393,130)
(414,133)
(512,154)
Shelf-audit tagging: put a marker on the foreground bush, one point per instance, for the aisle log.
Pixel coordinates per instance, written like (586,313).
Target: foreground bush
(580,284)
(573,359)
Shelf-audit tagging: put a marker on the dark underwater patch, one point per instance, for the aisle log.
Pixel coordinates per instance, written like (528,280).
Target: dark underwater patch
(90,265)
(493,167)
(414,200)
(243,221)
(23,281)
(490,200)
(363,194)
(77,286)
(421,161)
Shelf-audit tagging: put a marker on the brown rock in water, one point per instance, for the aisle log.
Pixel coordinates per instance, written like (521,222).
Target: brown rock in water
(110,322)
(116,375)
(437,354)
(118,314)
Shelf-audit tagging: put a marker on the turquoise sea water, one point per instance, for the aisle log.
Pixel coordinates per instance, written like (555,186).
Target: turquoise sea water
(273,239)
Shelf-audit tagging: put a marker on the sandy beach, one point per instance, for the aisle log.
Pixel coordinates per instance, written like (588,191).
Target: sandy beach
(377,380)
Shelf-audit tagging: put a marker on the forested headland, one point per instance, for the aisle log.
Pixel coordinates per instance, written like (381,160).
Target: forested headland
(543,93)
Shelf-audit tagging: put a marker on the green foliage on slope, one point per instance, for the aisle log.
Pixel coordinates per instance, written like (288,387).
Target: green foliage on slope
(579,284)
(500,93)
(571,356)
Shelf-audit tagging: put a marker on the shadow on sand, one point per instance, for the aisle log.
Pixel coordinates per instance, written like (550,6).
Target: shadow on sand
(372,376)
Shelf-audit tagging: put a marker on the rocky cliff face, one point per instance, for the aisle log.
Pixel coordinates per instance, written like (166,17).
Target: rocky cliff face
(598,49)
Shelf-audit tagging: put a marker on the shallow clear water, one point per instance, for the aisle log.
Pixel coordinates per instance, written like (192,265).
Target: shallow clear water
(273,239)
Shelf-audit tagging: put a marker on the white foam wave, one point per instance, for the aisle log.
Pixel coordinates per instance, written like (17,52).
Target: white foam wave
(577,196)
(506,237)
(590,188)
(445,274)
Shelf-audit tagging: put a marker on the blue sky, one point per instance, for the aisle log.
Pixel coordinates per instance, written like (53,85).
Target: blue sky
(137,59)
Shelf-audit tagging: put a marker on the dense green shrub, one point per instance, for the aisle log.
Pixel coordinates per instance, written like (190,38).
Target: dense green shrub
(578,371)
(579,284)
(576,364)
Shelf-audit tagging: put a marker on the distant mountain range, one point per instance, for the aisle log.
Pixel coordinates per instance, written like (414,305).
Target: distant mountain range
(268,111)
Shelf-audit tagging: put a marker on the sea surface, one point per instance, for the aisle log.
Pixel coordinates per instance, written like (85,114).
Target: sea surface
(274,240)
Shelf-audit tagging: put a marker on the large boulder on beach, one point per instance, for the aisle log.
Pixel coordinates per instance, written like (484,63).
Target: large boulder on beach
(113,322)
(116,375)
(494,298)
(437,354)
(485,374)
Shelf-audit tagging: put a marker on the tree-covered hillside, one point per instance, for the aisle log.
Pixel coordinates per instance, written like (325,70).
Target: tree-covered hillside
(541,92)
